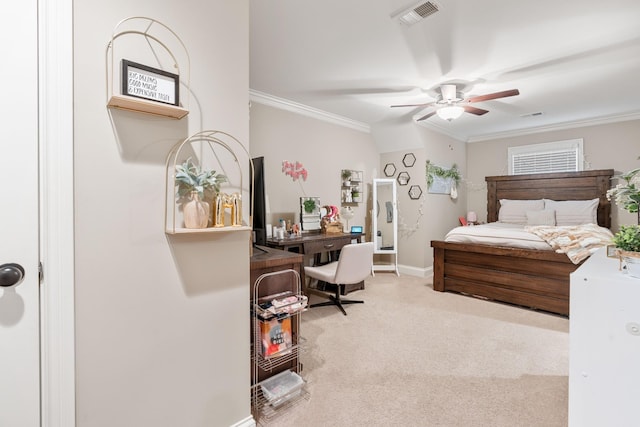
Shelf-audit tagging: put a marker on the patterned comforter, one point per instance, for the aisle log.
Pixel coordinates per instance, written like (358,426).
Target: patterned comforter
(577,241)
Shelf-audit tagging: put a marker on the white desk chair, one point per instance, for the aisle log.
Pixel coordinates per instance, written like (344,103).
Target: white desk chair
(353,266)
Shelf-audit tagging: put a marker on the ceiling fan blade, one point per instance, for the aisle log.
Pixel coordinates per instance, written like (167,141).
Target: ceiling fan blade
(474,110)
(426,116)
(414,105)
(489,96)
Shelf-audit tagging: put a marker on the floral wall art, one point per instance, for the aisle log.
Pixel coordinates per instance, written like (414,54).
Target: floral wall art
(294,169)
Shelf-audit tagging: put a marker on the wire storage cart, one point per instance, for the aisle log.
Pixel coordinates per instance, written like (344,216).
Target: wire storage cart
(276,305)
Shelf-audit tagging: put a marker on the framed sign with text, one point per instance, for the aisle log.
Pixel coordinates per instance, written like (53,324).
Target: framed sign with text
(149,83)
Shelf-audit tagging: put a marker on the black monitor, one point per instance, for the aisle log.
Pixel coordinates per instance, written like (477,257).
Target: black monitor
(259,203)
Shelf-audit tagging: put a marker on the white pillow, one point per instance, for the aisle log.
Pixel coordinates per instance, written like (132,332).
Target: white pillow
(515,211)
(543,217)
(574,212)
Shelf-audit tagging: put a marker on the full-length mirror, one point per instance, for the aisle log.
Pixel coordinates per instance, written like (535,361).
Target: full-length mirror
(385,224)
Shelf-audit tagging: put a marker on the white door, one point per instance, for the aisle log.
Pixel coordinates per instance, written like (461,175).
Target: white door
(19,224)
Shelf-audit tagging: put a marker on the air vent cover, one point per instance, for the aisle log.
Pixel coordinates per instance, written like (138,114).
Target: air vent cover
(417,13)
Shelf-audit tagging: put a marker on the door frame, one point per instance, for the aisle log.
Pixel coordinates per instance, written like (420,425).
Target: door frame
(55,69)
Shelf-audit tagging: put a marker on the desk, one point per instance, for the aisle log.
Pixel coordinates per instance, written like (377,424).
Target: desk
(313,245)
(266,260)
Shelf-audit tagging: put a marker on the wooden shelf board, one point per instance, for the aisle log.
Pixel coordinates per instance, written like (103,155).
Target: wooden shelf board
(130,103)
(208,230)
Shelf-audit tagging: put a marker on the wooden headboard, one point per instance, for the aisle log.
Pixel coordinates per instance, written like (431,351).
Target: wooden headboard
(584,185)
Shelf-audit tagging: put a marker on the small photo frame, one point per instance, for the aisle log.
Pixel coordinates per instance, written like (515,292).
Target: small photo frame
(612,251)
(152,84)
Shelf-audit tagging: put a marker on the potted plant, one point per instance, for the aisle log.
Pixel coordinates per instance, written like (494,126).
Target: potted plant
(346,177)
(309,205)
(195,186)
(628,238)
(355,195)
(627,194)
(627,241)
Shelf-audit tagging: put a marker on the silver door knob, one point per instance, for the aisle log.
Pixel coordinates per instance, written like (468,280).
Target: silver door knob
(11,274)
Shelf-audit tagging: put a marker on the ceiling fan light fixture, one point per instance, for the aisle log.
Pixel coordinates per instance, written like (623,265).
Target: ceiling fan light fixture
(449,95)
(444,101)
(451,112)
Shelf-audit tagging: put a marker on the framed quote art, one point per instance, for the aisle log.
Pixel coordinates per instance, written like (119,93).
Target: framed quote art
(142,81)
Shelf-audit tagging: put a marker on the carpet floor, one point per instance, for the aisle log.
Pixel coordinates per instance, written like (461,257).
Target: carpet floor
(410,356)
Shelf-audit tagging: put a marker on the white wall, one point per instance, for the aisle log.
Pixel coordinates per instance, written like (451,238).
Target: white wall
(323,148)
(162,325)
(280,135)
(431,217)
(611,146)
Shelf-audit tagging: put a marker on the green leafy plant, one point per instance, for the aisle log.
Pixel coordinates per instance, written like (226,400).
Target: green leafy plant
(190,177)
(628,238)
(346,174)
(355,194)
(309,205)
(432,170)
(627,195)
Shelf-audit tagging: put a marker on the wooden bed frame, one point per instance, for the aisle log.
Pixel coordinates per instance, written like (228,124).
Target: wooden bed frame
(531,278)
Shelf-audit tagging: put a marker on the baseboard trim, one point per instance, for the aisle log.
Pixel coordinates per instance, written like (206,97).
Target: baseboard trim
(247,422)
(415,271)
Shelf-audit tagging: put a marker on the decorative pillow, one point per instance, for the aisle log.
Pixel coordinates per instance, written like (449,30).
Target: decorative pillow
(543,217)
(574,212)
(515,211)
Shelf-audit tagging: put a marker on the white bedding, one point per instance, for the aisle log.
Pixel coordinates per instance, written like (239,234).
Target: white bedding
(497,234)
(578,241)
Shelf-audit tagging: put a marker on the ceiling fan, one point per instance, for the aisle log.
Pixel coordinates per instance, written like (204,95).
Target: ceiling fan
(450,104)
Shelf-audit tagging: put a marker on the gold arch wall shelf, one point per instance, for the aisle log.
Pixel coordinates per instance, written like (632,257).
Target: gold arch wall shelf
(152,31)
(209,149)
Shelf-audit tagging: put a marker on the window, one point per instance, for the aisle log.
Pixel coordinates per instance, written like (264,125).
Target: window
(559,156)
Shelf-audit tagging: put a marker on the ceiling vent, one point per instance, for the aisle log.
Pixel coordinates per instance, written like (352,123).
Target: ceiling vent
(416,13)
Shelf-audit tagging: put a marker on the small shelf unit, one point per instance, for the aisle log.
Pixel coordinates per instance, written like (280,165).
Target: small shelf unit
(351,187)
(214,149)
(262,408)
(159,40)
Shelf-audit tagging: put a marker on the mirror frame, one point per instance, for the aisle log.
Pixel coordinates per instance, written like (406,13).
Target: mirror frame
(394,223)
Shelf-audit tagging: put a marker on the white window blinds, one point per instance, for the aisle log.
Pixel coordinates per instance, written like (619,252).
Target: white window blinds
(559,156)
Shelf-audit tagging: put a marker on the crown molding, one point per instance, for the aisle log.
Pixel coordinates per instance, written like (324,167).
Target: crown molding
(285,104)
(533,130)
(557,127)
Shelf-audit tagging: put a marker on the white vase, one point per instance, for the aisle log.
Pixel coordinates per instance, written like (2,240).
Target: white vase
(196,212)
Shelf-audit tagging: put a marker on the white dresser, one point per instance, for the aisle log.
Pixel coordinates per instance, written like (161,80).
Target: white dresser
(604,345)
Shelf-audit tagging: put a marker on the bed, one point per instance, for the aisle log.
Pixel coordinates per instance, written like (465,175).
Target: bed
(532,278)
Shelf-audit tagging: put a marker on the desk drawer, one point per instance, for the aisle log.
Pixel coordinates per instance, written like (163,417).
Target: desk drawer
(327,245)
